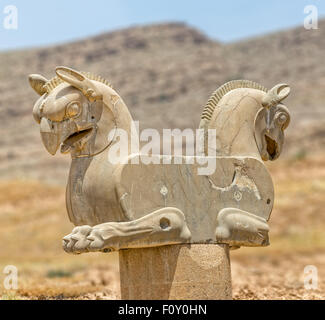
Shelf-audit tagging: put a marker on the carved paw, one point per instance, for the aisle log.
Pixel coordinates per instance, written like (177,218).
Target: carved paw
(164,226)
(77,242)
(240,228)
(96,242)
(84,239)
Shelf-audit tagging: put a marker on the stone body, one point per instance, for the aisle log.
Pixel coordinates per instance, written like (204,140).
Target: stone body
(80,111)
(162,207)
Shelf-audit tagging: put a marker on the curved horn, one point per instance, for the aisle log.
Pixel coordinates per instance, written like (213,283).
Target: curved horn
(37,82)
(275,95)
(79,81)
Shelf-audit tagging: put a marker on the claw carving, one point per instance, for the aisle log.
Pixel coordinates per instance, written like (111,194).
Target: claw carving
(240,228)
(162,227)
(77,240)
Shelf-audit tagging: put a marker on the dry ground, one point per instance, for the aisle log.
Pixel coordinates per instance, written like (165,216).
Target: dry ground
(33,221)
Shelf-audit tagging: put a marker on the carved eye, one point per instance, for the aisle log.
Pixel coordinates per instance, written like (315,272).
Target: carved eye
(73,109)
(282,118)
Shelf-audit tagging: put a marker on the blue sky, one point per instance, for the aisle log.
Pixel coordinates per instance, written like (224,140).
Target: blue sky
(43,22)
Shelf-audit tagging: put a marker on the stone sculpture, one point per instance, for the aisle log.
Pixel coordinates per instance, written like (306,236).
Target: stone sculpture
(125,205)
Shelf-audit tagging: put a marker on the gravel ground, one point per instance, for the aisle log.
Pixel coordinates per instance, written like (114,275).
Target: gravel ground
(261,277)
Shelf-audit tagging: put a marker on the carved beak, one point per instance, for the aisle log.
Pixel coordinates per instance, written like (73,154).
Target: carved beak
(273,148)
(50,135)
(54,134)
(272,141)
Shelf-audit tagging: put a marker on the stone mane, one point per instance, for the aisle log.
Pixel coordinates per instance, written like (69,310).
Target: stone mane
(220,92)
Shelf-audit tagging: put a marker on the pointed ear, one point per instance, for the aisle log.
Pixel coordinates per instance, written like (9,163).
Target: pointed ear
(79,81)
(37,82)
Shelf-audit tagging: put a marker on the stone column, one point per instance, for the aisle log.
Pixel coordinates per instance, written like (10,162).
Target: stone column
(176,272)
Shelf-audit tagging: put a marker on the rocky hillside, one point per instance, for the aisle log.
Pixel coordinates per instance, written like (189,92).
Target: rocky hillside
(165,73)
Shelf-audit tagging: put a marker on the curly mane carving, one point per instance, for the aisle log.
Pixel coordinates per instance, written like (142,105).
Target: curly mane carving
(220,92)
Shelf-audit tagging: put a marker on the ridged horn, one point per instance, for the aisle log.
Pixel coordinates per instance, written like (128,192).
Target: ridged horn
(275,95)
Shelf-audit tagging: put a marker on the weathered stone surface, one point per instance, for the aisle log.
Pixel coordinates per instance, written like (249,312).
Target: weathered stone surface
(240,228)
(80,111)
(193,271)
(150,204)
(164,226)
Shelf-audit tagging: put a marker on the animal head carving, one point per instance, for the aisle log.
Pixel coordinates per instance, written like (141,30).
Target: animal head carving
(247,117)
(70,111)
(271,121)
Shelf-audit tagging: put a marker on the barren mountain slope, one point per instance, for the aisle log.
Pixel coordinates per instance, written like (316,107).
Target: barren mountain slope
(165,73)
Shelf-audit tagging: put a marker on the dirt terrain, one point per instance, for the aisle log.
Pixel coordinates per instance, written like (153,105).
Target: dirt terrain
(165,73)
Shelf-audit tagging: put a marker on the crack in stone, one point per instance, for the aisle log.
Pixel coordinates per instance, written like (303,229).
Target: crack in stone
(241,181)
